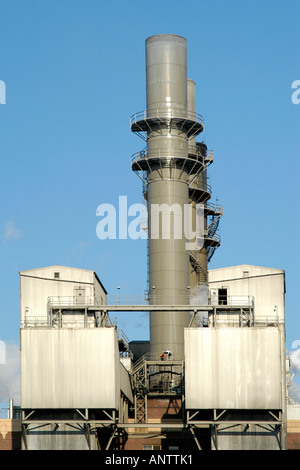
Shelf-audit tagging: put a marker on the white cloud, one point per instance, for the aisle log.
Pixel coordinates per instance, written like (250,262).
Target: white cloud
(11,232)
(10,375)
(295,360)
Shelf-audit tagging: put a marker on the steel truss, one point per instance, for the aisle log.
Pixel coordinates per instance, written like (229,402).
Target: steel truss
(220,423)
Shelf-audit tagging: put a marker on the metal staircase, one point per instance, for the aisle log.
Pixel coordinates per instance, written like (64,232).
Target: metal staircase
(154,376)
(140,390)
(201,273)
(213,239)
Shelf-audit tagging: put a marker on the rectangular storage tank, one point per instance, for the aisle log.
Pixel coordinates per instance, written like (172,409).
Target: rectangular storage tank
(233,368)
(70,368)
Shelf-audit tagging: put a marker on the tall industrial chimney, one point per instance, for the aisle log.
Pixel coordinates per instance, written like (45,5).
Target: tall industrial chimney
(165,167)
(199,195)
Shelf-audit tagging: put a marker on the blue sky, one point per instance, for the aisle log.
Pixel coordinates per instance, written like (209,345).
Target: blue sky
(75,71)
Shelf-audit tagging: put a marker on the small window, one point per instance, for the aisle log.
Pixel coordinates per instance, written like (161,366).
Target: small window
(245,273)
(222,296)
(56,275)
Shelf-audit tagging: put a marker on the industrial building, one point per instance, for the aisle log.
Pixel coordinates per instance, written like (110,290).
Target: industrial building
(213,375)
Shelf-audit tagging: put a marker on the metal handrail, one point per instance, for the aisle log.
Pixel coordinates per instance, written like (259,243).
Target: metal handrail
(35,321)
(201,185)
(214,207)
(4,413)
(165,113)
(126,300)
(214,236)
(149,357)
(132,300)
(208,155)
(235,300)
(143,155)
(43,321)
(72,300)
(152,299)
(121,334)
(266,319)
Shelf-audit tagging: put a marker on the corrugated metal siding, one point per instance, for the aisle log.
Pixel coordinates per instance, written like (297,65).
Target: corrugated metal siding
(39,284)
(125,383)
(65,438)
(266,285)
(70,368)
(293,412)
(247,437)
(232,368)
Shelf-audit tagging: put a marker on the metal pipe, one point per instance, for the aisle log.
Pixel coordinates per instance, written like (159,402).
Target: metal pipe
(11,409)
(191,103)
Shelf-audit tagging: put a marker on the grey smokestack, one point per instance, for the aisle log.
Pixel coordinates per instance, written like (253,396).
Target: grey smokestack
(168,259)
(168,127)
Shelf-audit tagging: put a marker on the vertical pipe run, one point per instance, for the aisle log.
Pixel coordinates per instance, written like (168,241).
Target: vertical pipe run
(11,409)
(191,104)
(198,281)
